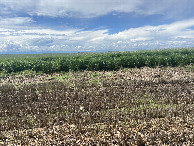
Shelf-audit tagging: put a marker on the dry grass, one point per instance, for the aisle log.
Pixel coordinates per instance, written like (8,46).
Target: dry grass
(147,106)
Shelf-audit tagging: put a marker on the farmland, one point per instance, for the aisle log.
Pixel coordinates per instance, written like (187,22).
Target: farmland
(128,98)
(50,63)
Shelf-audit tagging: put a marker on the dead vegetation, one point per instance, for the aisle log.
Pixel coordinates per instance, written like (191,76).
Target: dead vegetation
(147,106)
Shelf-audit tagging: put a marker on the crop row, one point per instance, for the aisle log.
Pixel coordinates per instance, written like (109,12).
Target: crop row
(97,61)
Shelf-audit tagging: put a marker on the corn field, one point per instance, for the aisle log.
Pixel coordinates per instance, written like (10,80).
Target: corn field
(139,106)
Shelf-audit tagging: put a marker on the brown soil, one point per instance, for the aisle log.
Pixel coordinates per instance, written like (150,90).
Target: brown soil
(147,106)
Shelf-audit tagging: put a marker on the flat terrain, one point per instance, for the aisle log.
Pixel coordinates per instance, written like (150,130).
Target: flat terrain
(145,106)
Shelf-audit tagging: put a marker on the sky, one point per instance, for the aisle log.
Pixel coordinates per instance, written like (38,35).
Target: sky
(45,26)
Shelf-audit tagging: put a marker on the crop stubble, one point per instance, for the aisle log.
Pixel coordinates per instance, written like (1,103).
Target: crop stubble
(145,106)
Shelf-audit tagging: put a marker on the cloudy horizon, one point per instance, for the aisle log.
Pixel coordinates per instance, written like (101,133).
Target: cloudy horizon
(113,25)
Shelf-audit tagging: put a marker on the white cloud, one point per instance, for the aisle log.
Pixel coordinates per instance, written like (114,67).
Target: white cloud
(169,8)
(175,30)
(75,8)
(177,34)
(15,21)
(93,8)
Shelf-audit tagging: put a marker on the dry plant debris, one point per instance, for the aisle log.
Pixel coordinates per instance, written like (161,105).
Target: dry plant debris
(146,106)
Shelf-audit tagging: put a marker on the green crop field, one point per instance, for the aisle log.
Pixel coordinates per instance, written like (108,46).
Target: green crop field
(49,63)
(115,98)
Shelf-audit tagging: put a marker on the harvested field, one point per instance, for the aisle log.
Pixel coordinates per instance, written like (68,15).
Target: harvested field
(146,106)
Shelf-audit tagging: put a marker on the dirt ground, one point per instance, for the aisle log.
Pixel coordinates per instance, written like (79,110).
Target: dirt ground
(146,106)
